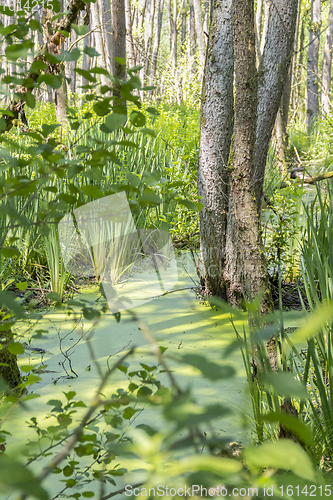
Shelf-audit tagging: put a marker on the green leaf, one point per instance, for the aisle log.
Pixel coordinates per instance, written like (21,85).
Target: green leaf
(47,130)
(120,60)
(92,191)
(30,99)
(67,471)
(294,424)
(282,454)
(315,322)
(70,395)
(8,300)
(9,252)
(86,74)
(2,124)
(91,52)
(80,30)
(16,476)
(208,368)
(16,348)
(137,119)
(35,25)
(129,412)
(102,108)
(53,81)
(54,296)
(153,111)
(191,205)
(286,385)
(22,285)
(223,467)
(88,494)
(114,121)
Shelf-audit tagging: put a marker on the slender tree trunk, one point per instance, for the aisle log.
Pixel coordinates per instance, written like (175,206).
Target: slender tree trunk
(244,267)
(199,32)
(275,61)
(119,38)
(215,140)
(183,34)
(300,67)
(327,64)
(107,33)
(267,8)
(192,30)
(96,24)
(205,19)
(148,36)
(129,38)
(313,56)
(157,40)
(258,25)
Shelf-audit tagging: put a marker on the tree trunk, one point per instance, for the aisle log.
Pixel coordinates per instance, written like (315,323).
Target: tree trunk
(119,39)
(107,32)
(183,33)
(215,140)
(244,267)
(313,56)
(274,67)
(233,265)
(258,25)
(148,36)
(300,67)
(327,64)
(172,17)
(8,370)
(157,40)
(129,38)
(199,32)
(205,19)
(192,30)
(96,24)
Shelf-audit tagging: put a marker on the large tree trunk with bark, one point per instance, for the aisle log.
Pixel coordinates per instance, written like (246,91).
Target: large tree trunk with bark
(275,61)
(233,263)
(313,56)
(244,264)
(327,64)
(215,140)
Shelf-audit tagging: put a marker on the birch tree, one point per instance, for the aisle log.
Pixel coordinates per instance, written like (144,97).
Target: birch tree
(327,63)
(199,32)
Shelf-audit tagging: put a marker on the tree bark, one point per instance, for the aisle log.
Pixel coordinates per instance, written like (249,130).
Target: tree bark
(129,38)
(258,25)
(96,24)
(199,32)
(244,271)
(157,40)
(313,56)
(273,69)
(327,64)
(148,36)
(119,39)
(215,140)
(192,30)
(172,18)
